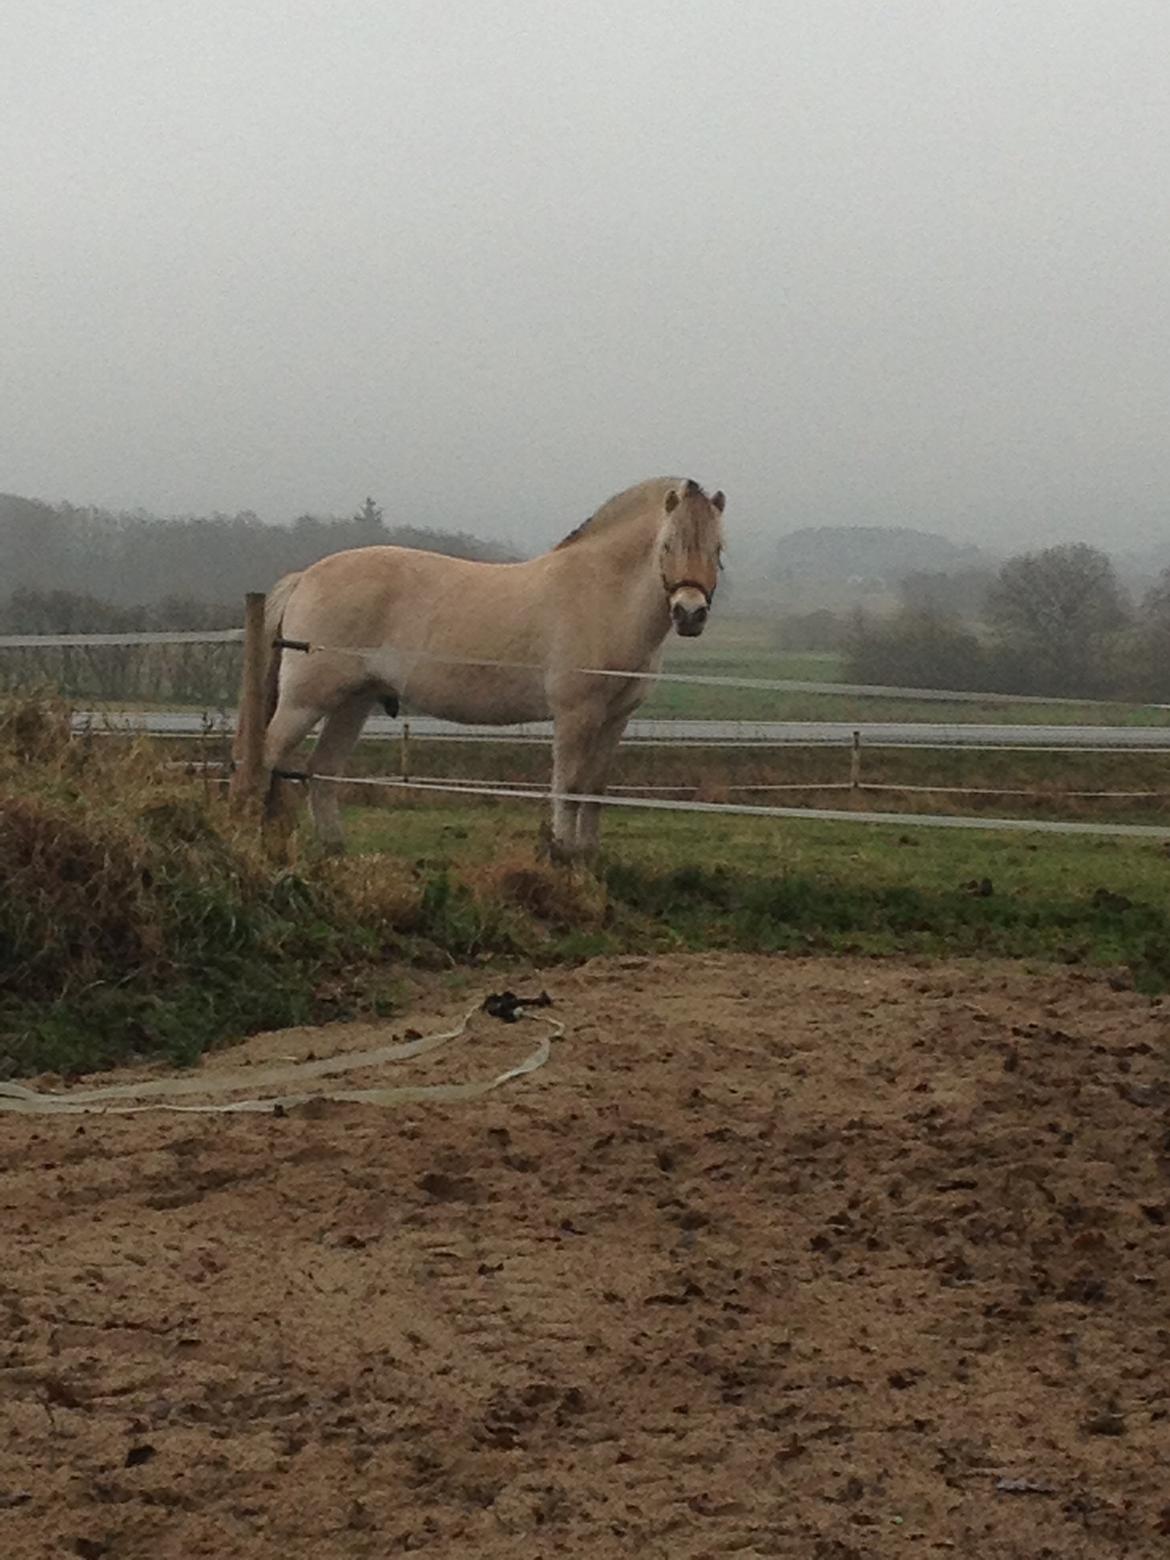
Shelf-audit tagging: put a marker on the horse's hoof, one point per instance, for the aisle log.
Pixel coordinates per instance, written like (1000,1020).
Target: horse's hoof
(560,854)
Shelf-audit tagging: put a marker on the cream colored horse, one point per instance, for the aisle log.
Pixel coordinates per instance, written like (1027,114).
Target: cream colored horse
(606,597)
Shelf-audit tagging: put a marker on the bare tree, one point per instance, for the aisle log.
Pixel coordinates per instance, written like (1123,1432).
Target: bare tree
(1060,613)
(912,649)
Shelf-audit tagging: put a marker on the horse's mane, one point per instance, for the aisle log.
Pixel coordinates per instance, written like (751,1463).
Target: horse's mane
(621,506)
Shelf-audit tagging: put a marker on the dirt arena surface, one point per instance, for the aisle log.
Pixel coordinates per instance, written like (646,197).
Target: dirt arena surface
(822,1259)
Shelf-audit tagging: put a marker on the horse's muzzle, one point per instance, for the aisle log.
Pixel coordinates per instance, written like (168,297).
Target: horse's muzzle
(689,621)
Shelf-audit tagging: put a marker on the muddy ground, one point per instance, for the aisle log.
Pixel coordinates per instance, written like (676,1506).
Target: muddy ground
(804,1258)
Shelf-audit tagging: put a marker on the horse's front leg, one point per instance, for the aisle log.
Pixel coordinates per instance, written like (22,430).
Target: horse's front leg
(573,738)
(600,762)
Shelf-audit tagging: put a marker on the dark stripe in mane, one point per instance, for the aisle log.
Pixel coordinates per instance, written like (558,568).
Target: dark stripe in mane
(616,509)
(573,534)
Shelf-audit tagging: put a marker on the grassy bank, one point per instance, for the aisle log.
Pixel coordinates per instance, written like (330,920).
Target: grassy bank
(141,917)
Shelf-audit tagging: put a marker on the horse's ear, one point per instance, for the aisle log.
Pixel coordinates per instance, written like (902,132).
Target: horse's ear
(718,500)
(671,501)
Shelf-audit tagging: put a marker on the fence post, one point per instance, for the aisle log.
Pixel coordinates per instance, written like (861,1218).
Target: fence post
(404,752)
(855,770)
(249,772)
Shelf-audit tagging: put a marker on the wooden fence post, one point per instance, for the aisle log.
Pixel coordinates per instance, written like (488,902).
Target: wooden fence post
(855,770)
(248,778)
(404,752)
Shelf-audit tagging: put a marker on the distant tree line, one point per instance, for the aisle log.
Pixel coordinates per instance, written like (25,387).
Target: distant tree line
(65,570)
(139,560)
(1055,622)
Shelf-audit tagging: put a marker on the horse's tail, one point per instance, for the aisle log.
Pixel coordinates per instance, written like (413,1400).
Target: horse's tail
(274,608)
(274,605)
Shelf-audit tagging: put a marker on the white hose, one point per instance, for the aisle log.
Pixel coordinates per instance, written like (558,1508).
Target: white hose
(159,1093)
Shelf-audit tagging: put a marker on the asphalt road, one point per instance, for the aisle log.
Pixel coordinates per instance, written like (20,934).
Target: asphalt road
(722,733)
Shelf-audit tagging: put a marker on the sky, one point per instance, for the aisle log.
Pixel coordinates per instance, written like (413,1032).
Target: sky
(490,261)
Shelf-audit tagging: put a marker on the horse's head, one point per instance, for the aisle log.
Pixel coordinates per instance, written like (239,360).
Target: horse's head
(689,554)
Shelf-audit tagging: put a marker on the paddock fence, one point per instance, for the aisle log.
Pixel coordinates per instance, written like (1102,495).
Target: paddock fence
(162,668)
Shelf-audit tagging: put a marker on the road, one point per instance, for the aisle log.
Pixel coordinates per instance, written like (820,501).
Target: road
(719,733)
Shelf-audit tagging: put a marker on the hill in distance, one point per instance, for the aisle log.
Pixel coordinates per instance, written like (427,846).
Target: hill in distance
(857,555)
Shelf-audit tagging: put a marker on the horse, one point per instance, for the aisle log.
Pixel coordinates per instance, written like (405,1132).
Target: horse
(398,625)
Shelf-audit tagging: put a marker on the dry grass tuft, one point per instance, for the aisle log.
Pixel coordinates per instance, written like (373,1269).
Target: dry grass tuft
(379,892)
(561,897)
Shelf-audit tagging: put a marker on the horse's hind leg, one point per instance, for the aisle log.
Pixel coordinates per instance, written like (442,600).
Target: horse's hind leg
(289,726)
(335,744)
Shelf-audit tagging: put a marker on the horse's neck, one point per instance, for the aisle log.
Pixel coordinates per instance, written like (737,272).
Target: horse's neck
(610,586)
(639,573)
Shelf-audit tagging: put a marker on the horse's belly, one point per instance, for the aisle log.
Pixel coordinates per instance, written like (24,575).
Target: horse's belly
(477,696)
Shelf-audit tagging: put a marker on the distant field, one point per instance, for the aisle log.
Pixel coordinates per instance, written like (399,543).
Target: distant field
(744,647)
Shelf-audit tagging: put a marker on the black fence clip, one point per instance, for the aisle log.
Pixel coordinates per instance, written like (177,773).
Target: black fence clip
(506,1005)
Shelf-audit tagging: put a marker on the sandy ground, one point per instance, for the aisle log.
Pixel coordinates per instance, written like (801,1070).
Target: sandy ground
(822,1259)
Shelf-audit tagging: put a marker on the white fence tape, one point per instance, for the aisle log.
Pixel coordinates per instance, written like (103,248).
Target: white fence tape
(752,810)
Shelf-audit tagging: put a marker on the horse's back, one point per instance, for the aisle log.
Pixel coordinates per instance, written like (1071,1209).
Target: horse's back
(363,589)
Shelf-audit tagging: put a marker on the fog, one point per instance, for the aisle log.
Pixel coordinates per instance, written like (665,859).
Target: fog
(492,260)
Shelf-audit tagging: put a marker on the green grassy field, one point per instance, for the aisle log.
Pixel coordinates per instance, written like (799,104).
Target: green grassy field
(773,885)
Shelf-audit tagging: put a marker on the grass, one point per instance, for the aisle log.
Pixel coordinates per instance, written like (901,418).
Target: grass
(774,885)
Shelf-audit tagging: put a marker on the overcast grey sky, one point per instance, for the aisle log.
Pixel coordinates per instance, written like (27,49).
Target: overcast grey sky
(855,261)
